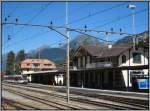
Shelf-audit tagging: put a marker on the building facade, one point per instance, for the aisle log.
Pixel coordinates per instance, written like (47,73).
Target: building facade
(33,65)
(92,57)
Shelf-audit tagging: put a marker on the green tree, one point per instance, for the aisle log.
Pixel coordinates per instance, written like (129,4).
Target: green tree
(10,62)
(71,56)
(19,58)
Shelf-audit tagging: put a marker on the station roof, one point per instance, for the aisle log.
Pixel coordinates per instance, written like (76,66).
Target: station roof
(102,52)
(40,61)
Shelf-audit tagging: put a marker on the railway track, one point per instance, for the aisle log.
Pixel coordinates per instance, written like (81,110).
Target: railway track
(51,103)
(124,100)
(9,104)
(112,106)
(60,104)
(128,101)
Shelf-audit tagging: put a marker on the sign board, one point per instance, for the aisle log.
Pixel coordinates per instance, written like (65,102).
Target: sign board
(143,83)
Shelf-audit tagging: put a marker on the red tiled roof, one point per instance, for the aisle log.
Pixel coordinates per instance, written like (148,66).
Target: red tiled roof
(40,61)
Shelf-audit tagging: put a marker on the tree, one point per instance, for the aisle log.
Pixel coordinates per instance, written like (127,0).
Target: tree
(10,62)
(71,56)
(19,58)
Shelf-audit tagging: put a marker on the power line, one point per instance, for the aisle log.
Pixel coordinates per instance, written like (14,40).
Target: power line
(71,29)
(115,20)
(24,24)
(51,44)
(137,25)
(30,37)
(11,13)
(99,31)
(59,32)
(74,11)
(98,12)
(37,14)
(90,35)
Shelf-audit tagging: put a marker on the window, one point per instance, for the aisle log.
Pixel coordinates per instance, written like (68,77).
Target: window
(90,59)
(123,59)
(48,64)
(28,64)
(36,65)
(101,60)
(136,57)
(108,59)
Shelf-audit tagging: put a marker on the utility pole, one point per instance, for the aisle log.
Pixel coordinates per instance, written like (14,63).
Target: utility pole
(132,7)
(67,33)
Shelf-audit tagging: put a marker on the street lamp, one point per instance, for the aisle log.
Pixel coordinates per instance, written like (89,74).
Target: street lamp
(132,7)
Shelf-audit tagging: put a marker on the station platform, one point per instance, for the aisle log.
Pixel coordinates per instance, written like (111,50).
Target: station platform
(125,94)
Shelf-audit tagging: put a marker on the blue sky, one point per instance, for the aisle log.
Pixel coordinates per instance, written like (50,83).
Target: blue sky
(29,38)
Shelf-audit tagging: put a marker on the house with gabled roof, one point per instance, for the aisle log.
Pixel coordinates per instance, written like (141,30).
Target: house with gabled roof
(33,65)
(113,56)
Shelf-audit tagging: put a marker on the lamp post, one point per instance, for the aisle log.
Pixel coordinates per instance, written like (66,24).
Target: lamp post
(132,7)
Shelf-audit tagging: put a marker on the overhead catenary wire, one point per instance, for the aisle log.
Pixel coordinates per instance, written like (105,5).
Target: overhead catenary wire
(52,44)
(89,35)
(99,31)
(79,29)
(13,11)
(74,11)
(50,27)
(71,29)
(36,15)
(98,12)
(123,17)
(28,38)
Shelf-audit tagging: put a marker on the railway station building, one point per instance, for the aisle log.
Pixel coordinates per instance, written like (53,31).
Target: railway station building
(96,67)
(116,67)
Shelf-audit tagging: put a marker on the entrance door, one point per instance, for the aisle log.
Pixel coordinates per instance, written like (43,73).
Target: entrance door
(98,80)
(110,79)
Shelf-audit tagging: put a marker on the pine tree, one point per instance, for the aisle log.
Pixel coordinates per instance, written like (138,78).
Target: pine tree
(10,63)
(19,58)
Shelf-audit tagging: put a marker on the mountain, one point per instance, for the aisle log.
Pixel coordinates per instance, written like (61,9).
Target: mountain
(142,37)
(58,55)
(54,54)
(84,40)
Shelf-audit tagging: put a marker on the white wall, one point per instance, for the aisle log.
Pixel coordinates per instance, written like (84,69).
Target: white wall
(126,53)
(29,78)
(59,79)
(27,72)
(144,61)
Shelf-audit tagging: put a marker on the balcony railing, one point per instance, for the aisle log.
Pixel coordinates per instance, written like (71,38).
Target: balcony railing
(40,67)
(93,65)
(99,64)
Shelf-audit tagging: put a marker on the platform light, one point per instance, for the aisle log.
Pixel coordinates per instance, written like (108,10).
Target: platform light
(131,6)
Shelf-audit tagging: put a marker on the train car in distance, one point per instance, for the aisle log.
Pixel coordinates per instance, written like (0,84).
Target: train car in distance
(15,79)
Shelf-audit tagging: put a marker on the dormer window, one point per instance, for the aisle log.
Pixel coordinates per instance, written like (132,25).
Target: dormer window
(123,59)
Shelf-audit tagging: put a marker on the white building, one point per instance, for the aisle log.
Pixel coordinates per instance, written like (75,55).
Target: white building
(92,57)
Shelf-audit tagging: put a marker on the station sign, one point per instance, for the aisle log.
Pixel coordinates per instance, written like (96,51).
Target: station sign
(143,83)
